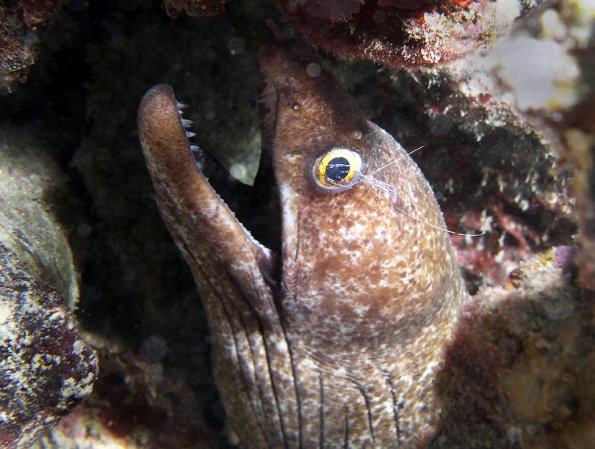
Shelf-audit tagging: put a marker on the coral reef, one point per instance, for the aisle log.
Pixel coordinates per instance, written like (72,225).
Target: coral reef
(496,170)
(401,33)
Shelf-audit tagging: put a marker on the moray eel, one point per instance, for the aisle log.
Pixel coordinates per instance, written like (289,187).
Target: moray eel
(328,329)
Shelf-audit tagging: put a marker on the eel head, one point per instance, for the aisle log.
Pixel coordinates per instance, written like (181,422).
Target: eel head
(334,258)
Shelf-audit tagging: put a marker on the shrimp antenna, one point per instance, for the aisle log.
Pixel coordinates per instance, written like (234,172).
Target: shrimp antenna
(390,189)
(395,161)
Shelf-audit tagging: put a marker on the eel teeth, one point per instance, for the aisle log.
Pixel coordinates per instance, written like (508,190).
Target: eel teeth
(196,153)
(194,149)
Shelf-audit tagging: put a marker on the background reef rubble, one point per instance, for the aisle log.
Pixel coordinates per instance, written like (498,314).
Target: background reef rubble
(508,142)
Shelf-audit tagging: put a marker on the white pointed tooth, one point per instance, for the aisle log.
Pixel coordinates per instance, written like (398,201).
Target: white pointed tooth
(186,123)
(180,105)
(190,134)
(180,112)
(194,149)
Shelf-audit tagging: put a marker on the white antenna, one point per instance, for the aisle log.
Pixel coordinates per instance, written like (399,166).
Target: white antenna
(390,189)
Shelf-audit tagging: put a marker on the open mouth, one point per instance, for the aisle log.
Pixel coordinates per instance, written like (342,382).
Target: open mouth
(202,204)
(255,207)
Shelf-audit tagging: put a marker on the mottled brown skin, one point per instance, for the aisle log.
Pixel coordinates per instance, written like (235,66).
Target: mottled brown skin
(334,342)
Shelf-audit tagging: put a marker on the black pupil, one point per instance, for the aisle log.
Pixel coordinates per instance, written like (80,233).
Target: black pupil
(337,169)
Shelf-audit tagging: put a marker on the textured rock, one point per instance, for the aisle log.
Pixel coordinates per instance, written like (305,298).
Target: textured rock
(403,33)
(45,366)
(31,185)
(135,405)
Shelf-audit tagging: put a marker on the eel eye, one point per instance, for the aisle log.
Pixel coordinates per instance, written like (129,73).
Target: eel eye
(337,169)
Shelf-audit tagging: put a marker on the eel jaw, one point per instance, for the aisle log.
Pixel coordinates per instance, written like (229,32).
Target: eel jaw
(197,216)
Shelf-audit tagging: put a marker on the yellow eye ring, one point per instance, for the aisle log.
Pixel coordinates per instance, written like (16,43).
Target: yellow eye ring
(337,169)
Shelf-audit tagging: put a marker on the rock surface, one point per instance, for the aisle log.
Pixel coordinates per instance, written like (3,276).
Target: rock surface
(31,185)
(45,366)
(20,22)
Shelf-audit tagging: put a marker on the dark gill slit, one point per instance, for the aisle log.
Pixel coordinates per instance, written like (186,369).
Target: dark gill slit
(395,408)
(321,401)
(346,433)
(369,411)
(268,361)
(295,386)
(240,363)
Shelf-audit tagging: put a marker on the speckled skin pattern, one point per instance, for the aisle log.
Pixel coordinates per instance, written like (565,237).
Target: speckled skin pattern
(333,342)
